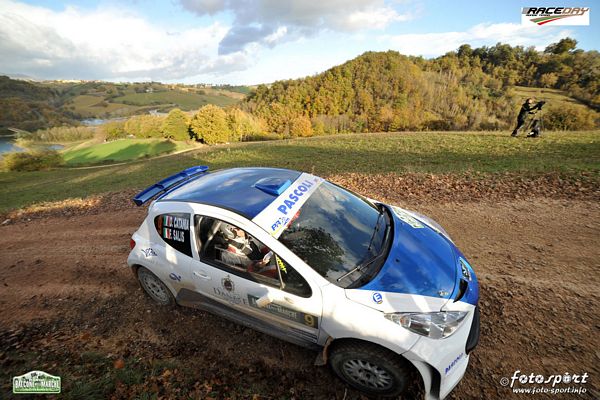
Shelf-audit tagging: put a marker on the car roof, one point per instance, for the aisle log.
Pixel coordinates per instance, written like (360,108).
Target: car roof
(241,190)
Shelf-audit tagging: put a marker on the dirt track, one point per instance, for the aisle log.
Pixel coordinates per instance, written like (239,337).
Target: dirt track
(69,306)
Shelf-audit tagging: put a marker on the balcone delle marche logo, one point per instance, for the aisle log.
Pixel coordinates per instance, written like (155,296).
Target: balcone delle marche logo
(555,15)
(36,382)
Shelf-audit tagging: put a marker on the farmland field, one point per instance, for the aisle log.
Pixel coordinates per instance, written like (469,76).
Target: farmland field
(186,101)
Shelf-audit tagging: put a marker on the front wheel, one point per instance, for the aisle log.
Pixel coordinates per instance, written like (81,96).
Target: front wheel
(154,287)
(371,369)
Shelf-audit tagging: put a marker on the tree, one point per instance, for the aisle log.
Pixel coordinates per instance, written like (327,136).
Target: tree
(563,46)
(210,125)
(151,126)
(133,126)
(114,130)
(300,126)
(176,125)
(548,80)
(242,125)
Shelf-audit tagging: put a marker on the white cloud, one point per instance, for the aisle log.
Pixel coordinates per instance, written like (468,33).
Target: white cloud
(106,43)
(256,21)
(434,44)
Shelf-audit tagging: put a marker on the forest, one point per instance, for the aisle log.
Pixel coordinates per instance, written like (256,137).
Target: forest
(467,89)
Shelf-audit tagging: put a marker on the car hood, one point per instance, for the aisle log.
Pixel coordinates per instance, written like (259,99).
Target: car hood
(422,261)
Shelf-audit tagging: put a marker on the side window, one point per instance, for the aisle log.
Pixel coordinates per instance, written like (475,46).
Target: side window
(231,248)
(174,229)
(292,281)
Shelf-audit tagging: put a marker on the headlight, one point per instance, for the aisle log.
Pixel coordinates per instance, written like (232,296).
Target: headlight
(436,325)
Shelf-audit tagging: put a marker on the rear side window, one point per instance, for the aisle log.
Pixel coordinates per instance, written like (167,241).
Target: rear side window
(174,229)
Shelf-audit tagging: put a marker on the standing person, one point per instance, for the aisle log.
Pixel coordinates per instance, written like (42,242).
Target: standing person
(526,108)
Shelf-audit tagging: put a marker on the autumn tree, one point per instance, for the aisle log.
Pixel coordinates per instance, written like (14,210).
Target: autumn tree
(209,125)
(300,126)
(176,125)
(242,125)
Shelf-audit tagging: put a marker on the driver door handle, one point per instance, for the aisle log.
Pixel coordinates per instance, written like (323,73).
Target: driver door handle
(288,299)
(202,275)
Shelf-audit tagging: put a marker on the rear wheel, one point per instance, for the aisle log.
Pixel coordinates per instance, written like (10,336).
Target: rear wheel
(371,369)
(155,288)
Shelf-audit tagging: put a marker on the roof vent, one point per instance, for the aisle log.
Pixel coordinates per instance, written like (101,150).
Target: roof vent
(273,186)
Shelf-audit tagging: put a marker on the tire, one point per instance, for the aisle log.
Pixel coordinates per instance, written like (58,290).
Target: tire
(370,368)
(155,288)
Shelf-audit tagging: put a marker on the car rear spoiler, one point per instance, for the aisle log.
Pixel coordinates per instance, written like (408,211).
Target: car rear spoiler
(145,195)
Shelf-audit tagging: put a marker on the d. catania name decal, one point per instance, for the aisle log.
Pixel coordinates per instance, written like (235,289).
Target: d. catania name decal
(555,15)
(277,215)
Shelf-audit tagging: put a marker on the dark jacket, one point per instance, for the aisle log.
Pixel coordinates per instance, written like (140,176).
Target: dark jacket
(526,108)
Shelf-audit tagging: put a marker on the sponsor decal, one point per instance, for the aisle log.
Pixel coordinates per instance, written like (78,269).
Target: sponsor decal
(407,218)
(287,313)
(555,15)
(175,277)
(227,292)
(278,215)
(149,252)
(280,264)
(36,382)
(228,284)
(454,362)
(377,298)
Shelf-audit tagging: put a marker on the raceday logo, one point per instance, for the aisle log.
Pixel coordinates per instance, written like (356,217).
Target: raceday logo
(36,382)
(555,15)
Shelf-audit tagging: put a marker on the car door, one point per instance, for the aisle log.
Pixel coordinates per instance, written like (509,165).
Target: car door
(272,296)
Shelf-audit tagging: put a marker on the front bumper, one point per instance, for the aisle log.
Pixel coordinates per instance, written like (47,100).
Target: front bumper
(443,362)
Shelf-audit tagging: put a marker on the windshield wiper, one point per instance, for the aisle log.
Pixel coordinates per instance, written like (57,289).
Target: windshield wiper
(359,267)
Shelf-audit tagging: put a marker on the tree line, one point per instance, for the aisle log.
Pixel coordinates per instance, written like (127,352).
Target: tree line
(467,89)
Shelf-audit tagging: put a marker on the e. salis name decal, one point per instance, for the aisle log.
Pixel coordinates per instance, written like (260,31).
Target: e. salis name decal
(174,228)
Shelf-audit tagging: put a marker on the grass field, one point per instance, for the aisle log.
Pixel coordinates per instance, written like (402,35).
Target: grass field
(433,152)
(553,97)
(120,150)
(91,105)
(186,101)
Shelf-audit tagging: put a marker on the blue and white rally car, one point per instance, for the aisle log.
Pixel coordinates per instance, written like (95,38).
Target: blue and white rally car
(381,291)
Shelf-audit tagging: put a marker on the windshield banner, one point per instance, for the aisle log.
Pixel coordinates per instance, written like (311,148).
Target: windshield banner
(278,215)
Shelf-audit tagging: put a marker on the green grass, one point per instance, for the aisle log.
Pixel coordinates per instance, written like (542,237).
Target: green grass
(90,106)
(433,152)
(119,151)
(553,97)
(185,100)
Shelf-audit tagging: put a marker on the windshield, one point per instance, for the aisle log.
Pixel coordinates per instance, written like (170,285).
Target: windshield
(337,231)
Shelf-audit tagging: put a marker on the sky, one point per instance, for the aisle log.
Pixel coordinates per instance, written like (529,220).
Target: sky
(248,42)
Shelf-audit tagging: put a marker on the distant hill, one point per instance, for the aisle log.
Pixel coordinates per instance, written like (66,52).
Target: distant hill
(465,89)
(33,105)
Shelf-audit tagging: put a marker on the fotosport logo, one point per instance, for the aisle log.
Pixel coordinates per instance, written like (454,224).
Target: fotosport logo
(552,384)
(555,15)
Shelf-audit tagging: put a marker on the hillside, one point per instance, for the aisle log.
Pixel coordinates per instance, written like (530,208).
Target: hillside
(36,105)
(465,89)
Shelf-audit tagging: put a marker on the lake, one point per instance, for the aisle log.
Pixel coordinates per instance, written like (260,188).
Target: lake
(7,145)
